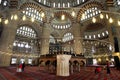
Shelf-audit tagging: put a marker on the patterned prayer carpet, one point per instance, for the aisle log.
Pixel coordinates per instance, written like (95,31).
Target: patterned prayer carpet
(34,73)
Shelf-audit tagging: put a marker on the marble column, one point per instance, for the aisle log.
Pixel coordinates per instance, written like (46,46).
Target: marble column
(45,39)
(63,65)
(77,38)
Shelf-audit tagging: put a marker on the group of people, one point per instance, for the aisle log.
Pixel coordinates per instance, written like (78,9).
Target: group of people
(20,67)
(98,69)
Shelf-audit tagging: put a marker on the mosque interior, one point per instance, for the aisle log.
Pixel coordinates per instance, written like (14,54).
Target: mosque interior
(40,31)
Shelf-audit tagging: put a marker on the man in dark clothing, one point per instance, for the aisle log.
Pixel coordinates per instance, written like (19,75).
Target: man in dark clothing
(108,67)
(23,66)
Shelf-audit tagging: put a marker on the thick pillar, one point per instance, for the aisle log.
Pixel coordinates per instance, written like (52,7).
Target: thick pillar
(45,39)
(7,37)
(77,38)
(111,33)
(117,39)
(6,42)
(63,65)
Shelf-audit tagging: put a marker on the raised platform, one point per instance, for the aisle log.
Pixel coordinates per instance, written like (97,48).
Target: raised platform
(51,58)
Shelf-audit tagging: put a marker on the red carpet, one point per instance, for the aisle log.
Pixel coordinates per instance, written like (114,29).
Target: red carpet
(33,73)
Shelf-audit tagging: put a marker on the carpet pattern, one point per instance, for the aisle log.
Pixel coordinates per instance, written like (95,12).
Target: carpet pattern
(35,73)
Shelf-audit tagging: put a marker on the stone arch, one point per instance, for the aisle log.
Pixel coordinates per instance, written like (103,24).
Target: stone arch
(54,63)
(40,61)
(82,63)
(47,62)
(75,62)
(70,62)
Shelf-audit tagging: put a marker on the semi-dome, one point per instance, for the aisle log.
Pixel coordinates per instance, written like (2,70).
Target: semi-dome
(94,27)
(58,23)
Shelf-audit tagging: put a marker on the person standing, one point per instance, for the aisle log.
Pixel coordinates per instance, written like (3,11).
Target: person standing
(19,67)
(108,67)
(23,66)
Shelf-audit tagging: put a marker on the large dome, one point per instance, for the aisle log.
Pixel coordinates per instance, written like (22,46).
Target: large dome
(61,3)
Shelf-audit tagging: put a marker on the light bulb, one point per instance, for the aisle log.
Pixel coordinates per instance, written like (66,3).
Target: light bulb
(12,17)
(107,16)
(63,17)
(32,19)
(73,13)
(42,14)
(119,22)
(0,20)
(83,16)
(101,16)
(110,20)
(15,17)
(93,19)
(6,21)
(24,18)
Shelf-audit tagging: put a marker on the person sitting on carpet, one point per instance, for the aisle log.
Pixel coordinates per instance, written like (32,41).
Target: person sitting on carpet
(97,69)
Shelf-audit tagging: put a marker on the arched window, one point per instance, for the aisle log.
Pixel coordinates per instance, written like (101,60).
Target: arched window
(117,2)
(26,32)
(51,40)
(4,4)
(0,1)
(68,37)
(59,26)
(26,40)
(89,13)
(33,13)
